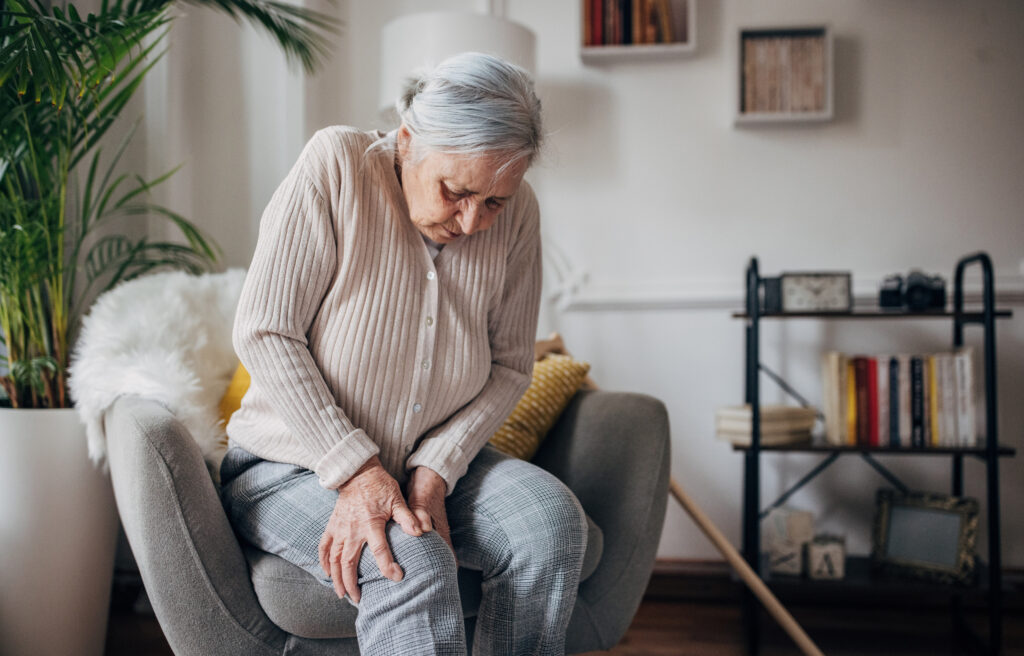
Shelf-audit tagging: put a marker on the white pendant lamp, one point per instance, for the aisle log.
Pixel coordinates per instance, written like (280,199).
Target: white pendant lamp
(424,39)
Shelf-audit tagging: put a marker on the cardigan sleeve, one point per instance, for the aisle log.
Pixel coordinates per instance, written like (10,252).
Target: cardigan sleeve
(292,268)
(512,328)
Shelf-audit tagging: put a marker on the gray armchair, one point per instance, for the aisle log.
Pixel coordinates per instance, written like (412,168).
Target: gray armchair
(213,595)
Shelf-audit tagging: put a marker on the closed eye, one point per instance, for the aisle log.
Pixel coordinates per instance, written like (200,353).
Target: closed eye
(451,194)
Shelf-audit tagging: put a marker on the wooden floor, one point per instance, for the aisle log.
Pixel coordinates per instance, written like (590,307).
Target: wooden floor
(680,628)
(663,628)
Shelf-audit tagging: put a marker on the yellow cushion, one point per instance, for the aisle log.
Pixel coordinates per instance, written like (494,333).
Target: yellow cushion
(232,399)
(556,379)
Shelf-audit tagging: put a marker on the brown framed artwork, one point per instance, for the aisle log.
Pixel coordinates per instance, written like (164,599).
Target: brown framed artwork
(785,75)
(925,536)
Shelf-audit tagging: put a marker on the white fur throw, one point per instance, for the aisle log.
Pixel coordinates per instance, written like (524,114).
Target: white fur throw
(165,336)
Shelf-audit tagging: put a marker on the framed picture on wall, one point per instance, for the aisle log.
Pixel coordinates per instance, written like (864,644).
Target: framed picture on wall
(926,536)
(785,75)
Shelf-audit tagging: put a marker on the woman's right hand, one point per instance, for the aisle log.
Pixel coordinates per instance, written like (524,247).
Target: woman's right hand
(365,504)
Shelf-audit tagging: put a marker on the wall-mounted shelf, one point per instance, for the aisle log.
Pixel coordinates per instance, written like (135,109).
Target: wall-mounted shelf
(785,75)
(626,30)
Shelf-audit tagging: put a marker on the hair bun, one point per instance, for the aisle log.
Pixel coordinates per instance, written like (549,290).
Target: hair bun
(413,85)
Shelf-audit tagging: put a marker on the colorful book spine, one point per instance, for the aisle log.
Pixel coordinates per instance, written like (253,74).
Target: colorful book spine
(637,21)
(872,398)
(851,403)
(860,364)
(883,399)
(894,402)
(626,12)
(841,403)
(665,31)
(947,390)
(964,365)
(832,397)
(916,402)
(933,428)
(906,429)
(608,30)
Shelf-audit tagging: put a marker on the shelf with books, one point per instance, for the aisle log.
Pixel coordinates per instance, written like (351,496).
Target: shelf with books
(1002,450)
(880,313)
(785,74)
(623,30)
(867,430)
(925,400)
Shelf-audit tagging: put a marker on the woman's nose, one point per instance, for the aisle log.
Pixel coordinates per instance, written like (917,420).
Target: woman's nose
(470,218)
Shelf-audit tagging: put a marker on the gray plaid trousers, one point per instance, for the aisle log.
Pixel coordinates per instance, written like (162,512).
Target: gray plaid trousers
(515,522)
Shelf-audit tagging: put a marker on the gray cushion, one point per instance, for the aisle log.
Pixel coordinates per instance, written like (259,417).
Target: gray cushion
(298,603)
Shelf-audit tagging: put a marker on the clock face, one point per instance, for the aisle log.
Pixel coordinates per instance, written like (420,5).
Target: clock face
(816,292)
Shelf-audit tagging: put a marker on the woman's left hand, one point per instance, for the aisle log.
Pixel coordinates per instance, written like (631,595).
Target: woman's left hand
(426,492)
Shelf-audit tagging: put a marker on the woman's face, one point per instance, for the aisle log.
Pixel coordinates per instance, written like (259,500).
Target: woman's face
(453,195)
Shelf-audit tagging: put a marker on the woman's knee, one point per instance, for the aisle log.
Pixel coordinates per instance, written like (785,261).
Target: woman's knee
(425,560)
(560,525)
(541,519)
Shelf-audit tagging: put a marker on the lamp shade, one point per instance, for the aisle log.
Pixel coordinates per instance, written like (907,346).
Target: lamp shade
(425,39)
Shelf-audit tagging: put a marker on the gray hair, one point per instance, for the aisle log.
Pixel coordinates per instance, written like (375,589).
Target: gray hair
(471,104)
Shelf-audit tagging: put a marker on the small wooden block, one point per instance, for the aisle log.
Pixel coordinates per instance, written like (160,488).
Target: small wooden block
(786,558)
(826,557)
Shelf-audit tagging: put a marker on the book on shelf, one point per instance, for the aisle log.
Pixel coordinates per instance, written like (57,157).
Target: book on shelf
(916,402)
(631,22)
(881,426)
(904,401)
(900,400)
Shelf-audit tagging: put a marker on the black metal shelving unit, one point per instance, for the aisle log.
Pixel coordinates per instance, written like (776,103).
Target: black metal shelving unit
(989,452)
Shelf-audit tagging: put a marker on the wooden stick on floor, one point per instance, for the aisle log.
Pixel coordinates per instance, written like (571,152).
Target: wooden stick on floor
(753,581)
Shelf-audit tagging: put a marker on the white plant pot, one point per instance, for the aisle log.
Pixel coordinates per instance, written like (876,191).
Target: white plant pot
(58,534)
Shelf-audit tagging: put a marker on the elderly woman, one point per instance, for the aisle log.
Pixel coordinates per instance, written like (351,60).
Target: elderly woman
(387,321)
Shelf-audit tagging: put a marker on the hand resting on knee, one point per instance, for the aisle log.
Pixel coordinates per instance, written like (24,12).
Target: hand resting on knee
(426,491)
(365,504)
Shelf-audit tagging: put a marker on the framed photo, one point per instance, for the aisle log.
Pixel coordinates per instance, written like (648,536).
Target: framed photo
(926,536)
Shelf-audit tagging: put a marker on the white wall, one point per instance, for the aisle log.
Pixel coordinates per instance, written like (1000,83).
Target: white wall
(652,192)
(657,202)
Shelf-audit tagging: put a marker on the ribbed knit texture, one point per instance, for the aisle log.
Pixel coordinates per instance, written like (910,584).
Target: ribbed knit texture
(359,343)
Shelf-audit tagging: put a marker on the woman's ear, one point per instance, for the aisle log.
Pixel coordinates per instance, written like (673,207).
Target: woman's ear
(403,141)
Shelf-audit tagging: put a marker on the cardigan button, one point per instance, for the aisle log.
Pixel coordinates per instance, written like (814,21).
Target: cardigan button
(430,275)
(417,408)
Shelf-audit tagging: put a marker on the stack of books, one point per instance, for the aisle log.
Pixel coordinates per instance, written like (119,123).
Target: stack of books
(779,424)
(900,401)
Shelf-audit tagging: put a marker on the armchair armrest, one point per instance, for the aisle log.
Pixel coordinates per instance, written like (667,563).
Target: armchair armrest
(612,450)
(190,561)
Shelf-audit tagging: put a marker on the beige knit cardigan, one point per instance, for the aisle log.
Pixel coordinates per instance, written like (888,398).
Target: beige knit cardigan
(359,343)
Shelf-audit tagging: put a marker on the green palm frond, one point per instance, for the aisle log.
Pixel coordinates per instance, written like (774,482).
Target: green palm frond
(65,78)
(302,33)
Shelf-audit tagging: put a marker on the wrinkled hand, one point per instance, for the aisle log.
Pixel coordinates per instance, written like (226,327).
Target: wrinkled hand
(365,504)
(426,491)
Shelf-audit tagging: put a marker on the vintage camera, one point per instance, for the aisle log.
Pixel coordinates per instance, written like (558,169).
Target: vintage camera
(918,291)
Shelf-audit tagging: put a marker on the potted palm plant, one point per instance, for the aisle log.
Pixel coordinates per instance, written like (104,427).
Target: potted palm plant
(65,79)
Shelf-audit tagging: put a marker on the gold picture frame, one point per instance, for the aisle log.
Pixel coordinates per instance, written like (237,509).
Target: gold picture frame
(925,536)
